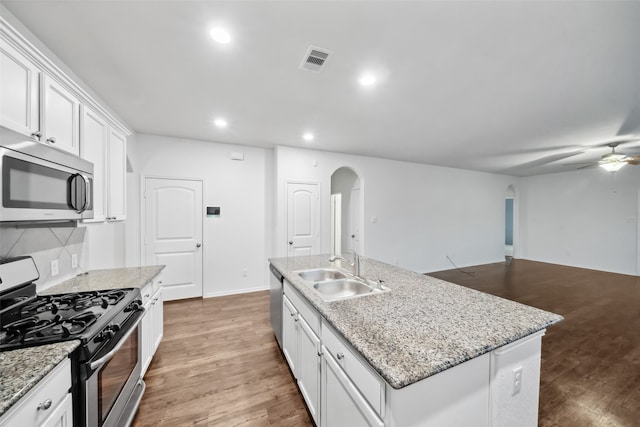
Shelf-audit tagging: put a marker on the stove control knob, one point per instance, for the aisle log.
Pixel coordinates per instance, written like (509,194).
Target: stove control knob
(134,306)
(114,328)
(108,334)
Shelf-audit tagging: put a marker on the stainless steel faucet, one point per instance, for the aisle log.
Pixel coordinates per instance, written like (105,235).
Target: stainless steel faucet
(355,264)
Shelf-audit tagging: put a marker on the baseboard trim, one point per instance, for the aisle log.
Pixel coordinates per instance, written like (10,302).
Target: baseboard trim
(236,292)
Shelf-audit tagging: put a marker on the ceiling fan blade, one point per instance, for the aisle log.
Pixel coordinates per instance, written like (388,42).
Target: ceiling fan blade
(593,165)
(633,162)
(579,163)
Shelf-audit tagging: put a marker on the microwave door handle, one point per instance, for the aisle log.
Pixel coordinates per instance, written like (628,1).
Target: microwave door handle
(74,200)
(87,193)
(104,359)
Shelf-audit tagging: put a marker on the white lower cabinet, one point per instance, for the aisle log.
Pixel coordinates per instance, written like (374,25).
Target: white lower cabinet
(152,322)
(309,367)
(342,403)
(332,397)
(47,404)
(290,335)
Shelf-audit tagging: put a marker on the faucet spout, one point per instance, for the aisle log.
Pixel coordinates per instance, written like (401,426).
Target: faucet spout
(355,264)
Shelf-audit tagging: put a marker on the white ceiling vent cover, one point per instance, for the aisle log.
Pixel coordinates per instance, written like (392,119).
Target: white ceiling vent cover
(315,59)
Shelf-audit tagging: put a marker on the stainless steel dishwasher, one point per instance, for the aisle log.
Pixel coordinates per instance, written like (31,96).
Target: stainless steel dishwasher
(275,302)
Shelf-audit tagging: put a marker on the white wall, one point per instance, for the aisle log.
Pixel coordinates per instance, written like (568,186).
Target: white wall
(585,219)
(424,213)
(235,240)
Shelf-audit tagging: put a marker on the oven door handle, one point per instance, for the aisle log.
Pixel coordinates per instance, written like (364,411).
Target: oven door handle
(104,359)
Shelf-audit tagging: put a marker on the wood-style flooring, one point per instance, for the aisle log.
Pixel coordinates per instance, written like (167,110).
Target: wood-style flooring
(218,363)
(590,374)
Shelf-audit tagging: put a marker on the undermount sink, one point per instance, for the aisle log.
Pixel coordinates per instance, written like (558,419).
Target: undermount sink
(321,274)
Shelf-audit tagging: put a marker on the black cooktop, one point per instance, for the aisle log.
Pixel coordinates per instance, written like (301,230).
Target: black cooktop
(44,319)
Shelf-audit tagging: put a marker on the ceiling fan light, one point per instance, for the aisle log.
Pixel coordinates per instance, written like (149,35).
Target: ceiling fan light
(612,166)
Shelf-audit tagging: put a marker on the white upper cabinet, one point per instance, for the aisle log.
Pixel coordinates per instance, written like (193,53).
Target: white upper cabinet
(19,79)
(117,173)
(106,148)
(59,116)
(93,147)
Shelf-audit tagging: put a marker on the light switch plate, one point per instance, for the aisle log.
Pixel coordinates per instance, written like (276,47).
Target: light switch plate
(54,267)
(74,260)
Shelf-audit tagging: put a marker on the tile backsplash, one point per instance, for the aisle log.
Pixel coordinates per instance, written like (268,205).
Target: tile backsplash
(46,244)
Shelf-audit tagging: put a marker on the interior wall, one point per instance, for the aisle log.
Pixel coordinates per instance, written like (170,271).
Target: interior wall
(232,242)
(585,219)
(414,215)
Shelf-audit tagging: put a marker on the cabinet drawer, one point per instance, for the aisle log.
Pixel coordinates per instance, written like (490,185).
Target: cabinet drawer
(54,387)
(361,374)
(309,314)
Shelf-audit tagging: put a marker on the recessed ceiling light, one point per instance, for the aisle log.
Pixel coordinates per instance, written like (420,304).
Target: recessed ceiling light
(308,136)
(220,35)
(221,123)
(367,80)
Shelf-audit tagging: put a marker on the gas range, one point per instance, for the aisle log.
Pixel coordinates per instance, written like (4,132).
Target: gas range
(106,367)
(87,316)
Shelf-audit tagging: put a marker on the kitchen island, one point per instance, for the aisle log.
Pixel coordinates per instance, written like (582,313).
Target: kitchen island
(447,355)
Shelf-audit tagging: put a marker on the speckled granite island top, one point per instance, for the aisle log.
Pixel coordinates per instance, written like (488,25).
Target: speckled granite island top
(115,278)
(423,325)
(22,369)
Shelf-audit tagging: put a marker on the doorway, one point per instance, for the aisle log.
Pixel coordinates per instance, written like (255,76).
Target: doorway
(346,216)
(509,221)
(172,234)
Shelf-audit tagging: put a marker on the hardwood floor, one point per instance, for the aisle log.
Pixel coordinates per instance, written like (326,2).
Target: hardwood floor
(591,361)
(218,363)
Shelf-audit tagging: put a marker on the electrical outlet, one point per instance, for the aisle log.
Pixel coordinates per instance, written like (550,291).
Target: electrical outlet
(74,260)
(54,267)
(517,381)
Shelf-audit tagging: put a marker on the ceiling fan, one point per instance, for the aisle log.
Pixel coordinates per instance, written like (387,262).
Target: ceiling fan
(614,161)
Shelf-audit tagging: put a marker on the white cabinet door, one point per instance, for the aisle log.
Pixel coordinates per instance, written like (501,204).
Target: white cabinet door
(62,416)
(290,335)
(59,116)
(117,160)
(158,319)
(93,144)
(19,96)
(342,403)
(309,367)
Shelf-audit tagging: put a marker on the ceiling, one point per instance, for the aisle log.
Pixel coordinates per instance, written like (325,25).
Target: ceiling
(496,86)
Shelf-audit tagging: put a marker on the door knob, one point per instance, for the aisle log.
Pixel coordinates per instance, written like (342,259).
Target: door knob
(291,242)
(198,245)
(353,236)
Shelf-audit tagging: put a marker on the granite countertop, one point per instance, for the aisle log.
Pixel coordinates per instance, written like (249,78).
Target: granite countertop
(115,278)
(423,325)
(22,369)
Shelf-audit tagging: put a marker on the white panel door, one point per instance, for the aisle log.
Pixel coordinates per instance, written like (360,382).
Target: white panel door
(19,81)
(303,219)
(355,221)
(173,234)
(59,116)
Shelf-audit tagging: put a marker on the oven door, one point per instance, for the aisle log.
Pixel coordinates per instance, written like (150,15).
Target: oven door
(114,388)
(34,189)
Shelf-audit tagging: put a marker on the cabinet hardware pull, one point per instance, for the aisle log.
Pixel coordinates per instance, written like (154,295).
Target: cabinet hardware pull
(339,356)
(37,135)
(45,405)
(292,314)
(291,242)
(51,140)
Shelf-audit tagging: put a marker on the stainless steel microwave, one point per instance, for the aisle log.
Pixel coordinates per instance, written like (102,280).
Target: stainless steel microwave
(42,183)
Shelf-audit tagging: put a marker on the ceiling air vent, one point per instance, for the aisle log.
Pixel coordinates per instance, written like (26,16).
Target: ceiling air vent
(315,59)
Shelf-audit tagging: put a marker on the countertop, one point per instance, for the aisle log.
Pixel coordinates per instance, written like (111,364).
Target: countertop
(22,369)
(423,325)
(115,278)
